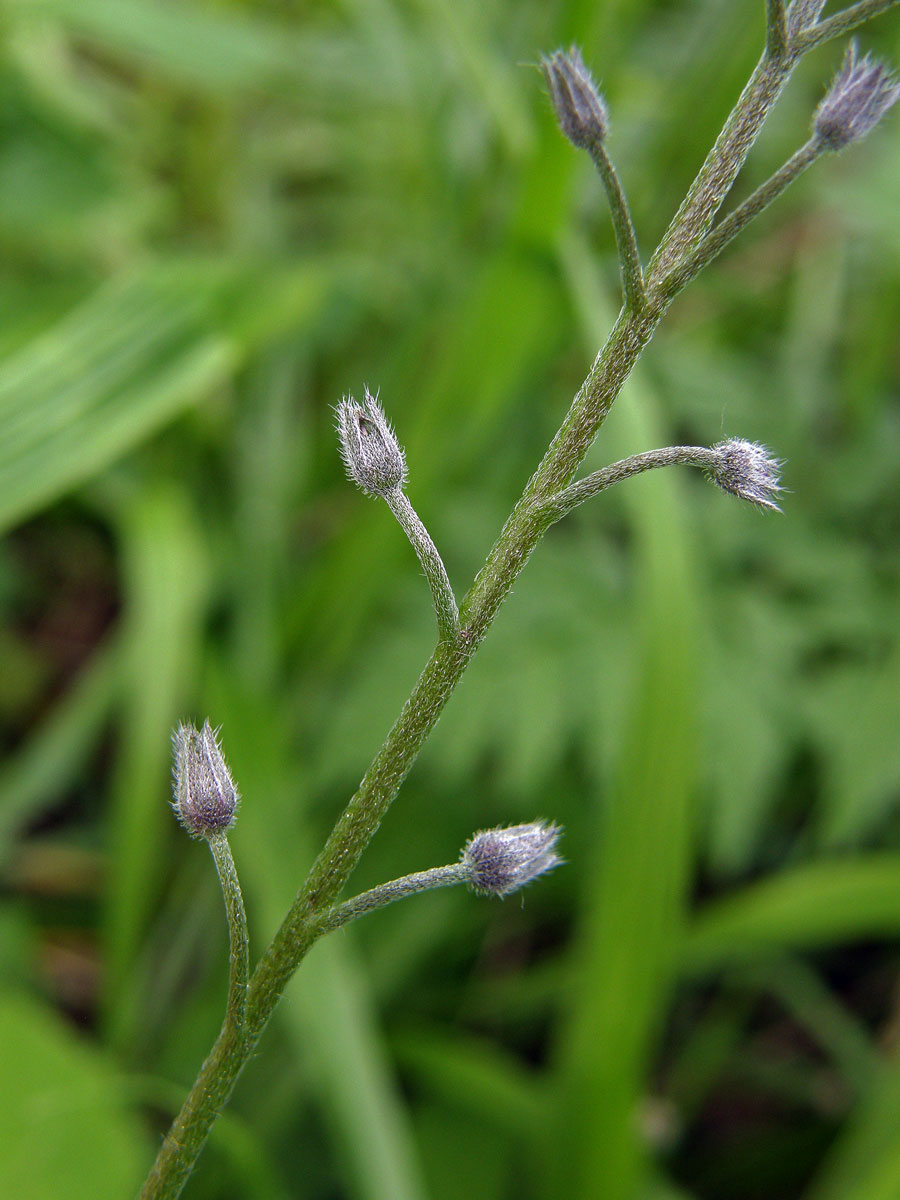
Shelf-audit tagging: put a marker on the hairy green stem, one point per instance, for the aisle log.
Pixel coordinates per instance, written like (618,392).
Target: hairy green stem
(721,166)
(776,28)
(363,814)
(842,22)
(626,239)
(387,893)
(802,14)
(214,1084)
(731,225)
(431,562)
(570,498)
(238,938)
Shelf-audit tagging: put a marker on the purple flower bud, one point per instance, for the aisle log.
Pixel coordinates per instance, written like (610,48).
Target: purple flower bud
(205,795)
(369,447)
(747,470)
(500,861)
(862,92)
(579,107)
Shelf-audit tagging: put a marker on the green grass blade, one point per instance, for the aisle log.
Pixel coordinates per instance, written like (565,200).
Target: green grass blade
(164,595)
(108,375)
(479,1078)
(220,51)
(818,904)
(865,1162)
(129,359)
(35,777)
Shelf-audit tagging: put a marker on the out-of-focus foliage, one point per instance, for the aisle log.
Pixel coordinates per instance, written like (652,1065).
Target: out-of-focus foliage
(214,219)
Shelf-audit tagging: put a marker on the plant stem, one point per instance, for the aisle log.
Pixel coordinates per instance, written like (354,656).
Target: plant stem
(842,22)
(214,1084)
(362,816)
(731,225)
(388,893)
(190,1129)
(776,28)
(308,915)
(721,166)
(432,564)
(626,240)
(238,938)
(803,13)
(592,485)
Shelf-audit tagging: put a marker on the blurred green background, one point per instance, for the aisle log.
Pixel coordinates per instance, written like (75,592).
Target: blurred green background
(216,217)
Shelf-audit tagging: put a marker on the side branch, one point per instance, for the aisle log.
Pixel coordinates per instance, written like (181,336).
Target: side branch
(570,498)
(802,14)
(445,608)
(842,22)
(745,469)
(494,862)
(731,225)
(721,166)
(238,938)
(388,893)
(626,239)
(213,1086)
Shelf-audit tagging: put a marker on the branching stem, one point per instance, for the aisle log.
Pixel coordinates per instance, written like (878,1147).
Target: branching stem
(802,14)
(715,178)
(731,225)
(685,248)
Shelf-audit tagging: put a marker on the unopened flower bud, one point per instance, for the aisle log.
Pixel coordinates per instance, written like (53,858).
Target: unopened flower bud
(369,447)
(862,92)
(747,470)
(205,795)
(500,861)
(577,102)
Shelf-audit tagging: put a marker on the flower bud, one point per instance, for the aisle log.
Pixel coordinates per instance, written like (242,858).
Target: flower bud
(369,447)
(577,102)
(747,470)
(205,795)
(862,92)
(500,861)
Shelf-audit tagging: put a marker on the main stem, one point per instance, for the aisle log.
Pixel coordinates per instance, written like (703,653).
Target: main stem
(731,225)
(214,1084)
(382,781)
(435,685)
(721,166)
